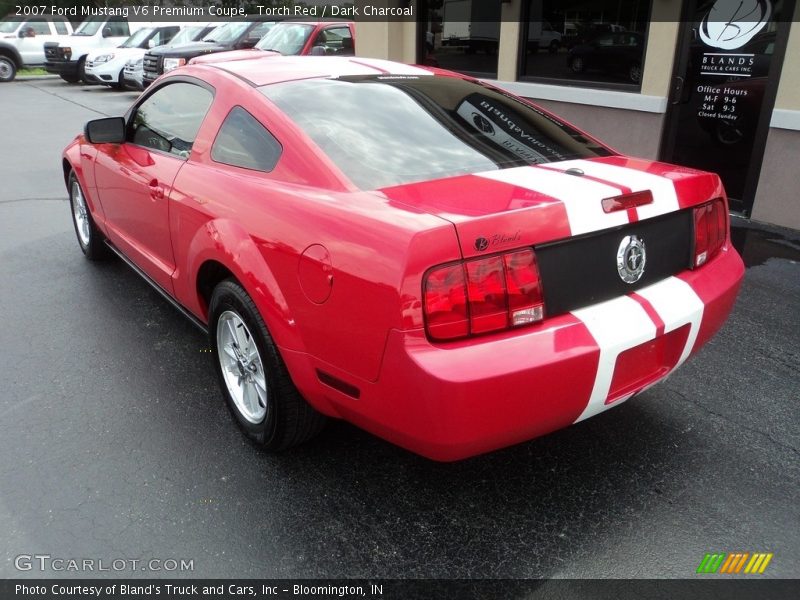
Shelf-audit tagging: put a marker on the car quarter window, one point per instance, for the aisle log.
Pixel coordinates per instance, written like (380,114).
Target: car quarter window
(169,119)
(244,142)
(61,29)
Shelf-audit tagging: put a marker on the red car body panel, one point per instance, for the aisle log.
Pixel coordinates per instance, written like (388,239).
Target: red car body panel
(357,348)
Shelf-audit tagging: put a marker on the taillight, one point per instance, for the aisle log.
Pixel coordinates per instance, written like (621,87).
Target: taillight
(482,295)
(710,231)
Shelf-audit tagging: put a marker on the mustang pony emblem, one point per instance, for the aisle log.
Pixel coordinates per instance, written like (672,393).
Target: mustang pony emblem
(631,258)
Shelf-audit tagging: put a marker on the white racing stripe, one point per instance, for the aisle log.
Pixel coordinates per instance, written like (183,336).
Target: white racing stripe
(581,197)
(665,199)
(615,325)
(677,304)
(622,323)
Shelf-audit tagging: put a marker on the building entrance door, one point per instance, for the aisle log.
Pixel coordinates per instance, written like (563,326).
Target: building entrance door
(727,69)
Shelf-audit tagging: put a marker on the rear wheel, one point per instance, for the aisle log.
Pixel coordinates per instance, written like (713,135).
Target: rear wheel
(253,377)
(82,70)
(90,238)
(8,69)
(577,64)
(553,47)
(69,78)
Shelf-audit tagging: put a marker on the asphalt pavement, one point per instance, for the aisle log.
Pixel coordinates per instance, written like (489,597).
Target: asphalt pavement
(115,442)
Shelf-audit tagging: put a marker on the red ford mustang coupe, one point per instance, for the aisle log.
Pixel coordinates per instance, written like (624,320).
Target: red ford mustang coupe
(435,260)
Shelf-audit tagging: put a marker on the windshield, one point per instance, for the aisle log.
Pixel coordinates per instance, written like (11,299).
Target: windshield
(187,34)
(286,38)
(9,25)
(227,33)
(137,38)
(89,27)
(390,130)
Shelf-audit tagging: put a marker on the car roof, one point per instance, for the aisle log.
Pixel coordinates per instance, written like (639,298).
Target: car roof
(273,68)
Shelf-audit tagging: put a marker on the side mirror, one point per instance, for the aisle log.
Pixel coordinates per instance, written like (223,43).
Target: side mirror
(151,43)
(107,32)
(105,131)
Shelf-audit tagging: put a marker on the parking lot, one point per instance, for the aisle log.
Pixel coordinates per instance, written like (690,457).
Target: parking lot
(115,442)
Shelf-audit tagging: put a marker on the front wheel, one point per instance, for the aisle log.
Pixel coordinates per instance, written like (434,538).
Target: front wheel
(90,238)
(8,69)
(253,377)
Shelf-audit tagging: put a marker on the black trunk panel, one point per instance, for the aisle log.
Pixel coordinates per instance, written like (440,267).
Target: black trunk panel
(581,271)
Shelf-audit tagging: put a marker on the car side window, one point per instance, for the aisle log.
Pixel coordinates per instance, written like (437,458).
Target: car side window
(61,29)
(169,119)
(38,26)
(164,35)
(244,142)
(118,28)
(336,40)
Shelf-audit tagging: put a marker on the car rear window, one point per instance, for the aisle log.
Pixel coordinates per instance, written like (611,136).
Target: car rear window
(390,130)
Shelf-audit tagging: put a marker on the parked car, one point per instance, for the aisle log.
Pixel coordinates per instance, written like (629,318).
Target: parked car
(296,38)
(22,42)
(133,75)
(230,36)
(107,66)
(370,241)
(67,58)
(615,53)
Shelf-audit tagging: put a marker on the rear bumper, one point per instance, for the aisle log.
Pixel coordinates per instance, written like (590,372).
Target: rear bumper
(448,402)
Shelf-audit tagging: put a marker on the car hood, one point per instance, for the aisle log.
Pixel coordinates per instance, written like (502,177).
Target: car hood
(232,55)
(192,48)
(536,204)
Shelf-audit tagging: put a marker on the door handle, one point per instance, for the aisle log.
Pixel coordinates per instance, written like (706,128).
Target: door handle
(677,90)
(156,191)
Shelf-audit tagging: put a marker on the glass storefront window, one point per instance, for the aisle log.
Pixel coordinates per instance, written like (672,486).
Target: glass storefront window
(599,43)
(462,35)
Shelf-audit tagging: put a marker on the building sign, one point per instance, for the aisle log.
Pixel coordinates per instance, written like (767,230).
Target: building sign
(731,65)
(730,24)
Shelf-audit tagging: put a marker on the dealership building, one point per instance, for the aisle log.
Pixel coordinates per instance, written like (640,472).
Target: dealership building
(708,84)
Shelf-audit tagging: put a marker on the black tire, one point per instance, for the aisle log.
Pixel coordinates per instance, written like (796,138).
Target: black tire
(289,420)
(69,78)
(94,248)
(82,70)
(577,64)
(8,69)
(553,47)
(120,83)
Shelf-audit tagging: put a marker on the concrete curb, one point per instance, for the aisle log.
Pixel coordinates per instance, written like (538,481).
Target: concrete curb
(34,77)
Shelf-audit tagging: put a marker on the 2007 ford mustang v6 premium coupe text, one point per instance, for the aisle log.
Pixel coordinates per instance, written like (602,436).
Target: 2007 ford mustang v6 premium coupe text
(428,257)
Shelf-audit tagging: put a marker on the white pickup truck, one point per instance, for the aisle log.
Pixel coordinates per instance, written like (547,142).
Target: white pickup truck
(22,41)
(67,58)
